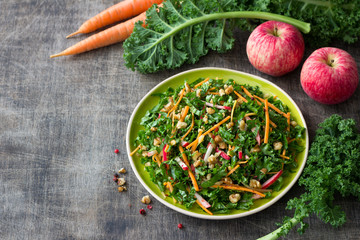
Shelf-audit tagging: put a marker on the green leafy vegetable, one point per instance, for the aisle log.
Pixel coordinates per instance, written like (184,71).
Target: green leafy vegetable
(184,31)
(333,167)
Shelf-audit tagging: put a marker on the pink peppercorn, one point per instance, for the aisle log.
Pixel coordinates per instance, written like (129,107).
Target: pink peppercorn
(116,151)
(149,207)
(142,211)
(180,226)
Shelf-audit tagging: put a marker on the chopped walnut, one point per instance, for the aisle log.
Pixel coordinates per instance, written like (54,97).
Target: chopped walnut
(218,139)
(212,159)
(157,141)
(121,181)
(242,125)
(229,125)
(205,119)
(198,93)
(234,198)
(153,129)
(255,183)
(172,142)
(222,145)
(122,170)
(121,189)
(196,155)
(146,199)
(278,146)
(210,110)
(229,89)
(221,92)
(197,163)
(227,180)
(255,149)
(181,125)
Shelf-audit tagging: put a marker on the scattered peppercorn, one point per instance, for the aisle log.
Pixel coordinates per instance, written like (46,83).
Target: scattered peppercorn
(180,226)
(116,151)
(149,207)
(142,211)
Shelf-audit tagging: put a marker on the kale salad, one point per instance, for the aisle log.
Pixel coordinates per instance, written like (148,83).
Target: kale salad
(218,145)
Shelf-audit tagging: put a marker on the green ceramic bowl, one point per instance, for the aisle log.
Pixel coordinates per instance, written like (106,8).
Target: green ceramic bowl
(149,102)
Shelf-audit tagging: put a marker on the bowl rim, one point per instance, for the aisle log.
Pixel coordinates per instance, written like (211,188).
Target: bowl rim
(215,217)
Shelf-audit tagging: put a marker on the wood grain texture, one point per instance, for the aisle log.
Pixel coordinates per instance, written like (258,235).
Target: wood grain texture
(61,119)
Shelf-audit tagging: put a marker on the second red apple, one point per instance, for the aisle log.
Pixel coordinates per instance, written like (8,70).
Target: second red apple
(275,48)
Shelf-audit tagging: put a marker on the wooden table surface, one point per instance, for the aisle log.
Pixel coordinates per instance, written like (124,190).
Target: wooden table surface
(61,119)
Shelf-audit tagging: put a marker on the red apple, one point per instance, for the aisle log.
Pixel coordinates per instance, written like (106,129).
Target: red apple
(329,75)
(275,48)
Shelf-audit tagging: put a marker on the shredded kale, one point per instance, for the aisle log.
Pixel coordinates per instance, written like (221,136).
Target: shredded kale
(332,168)
(240,144)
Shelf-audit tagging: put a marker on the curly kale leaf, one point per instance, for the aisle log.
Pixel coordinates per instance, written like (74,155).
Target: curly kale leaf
(330,19)
(182,32)
(333,167)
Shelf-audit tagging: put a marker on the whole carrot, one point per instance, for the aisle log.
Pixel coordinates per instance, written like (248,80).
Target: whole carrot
(115,34)
(118,12)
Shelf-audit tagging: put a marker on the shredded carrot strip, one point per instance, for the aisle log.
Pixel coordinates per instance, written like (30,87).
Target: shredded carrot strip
(191,127)
(167,147)
(208,131)
(233,170)
(283,156)
(201,83)
(238,188)
(288,121)
(246,92)
(272,123)
(135,150)
(182,118)
(213,93)
(241,97)
(178,102)
(272,106)
(243,162)
(213,88)
(291,140)
(216,125)
(193,180)
(181,149)
(205,209)
(196,141)
(266,137)
(232,111)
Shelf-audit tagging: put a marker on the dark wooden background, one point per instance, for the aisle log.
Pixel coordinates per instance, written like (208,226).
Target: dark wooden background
(61,119)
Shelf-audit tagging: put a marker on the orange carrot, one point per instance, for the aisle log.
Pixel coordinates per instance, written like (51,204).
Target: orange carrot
(182,118)
(191,174)
(191,127)
(118,12)
(233,170)
(201,83)
(178,102)
(238,188)
(241,97)
(135,150)
(267,120)
(205,209)
(115,34)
